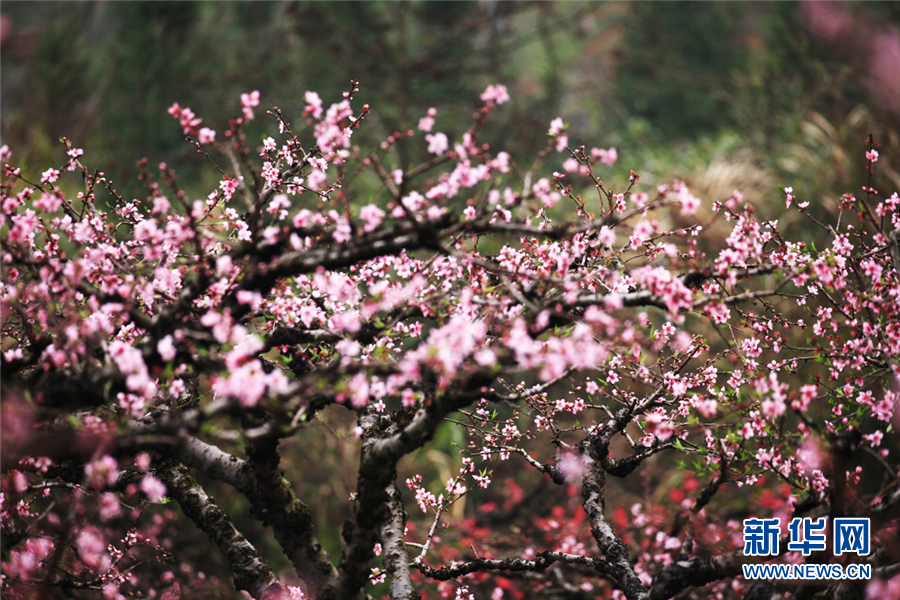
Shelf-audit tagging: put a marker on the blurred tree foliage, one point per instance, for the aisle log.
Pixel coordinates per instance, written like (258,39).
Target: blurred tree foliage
(104,74)
(660,80)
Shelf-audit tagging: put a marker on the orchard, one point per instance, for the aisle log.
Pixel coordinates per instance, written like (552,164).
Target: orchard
(544,381)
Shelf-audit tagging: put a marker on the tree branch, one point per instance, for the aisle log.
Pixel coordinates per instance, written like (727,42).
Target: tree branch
(396,559)
(544,559)
(377,471)
(613,548)
(250,571)
(272,501)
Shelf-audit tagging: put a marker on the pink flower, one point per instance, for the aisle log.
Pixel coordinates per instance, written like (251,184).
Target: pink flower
(167,280)
(879,589)
(866,398)
(501,163)
(296,593)
(426,123)
(313,104)
(872,269)
(788,196)
(102,472)
(773,407)
(486,357)
(48,203)
(689,202)
(308,313)
(807,395)
(437,143)
(229,185)
(874,439)
(556,126)
(561,142)
(659,424)
(207,136)
(609,157)
(251,297)
(372,215)
(316,179)
(248,101)
(248,383)
(161,205)
(268,146)
(92,550)
(166,348)
(342,232)
(109,507)
(131,364)
(543,191)
(707,407)
(883,410)
(154,489)
(606,236)
(872,155)
(811,455)
(142,461)
(413,202)
(643,230)
(49,176)
(570,165)
(24,561)
(751,347)
(495,93)
(186,117)
(357,391)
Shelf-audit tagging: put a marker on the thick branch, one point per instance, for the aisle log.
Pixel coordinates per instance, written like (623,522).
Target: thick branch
(543,560)
(396,560)
(613,548)
(213,461)
(622,467)
(250,571)
(697,571)
(272,501)
(377,472)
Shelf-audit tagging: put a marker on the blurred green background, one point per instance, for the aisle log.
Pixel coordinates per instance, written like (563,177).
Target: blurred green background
(724,96)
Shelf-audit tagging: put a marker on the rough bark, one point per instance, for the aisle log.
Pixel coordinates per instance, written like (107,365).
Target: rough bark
(251,573)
